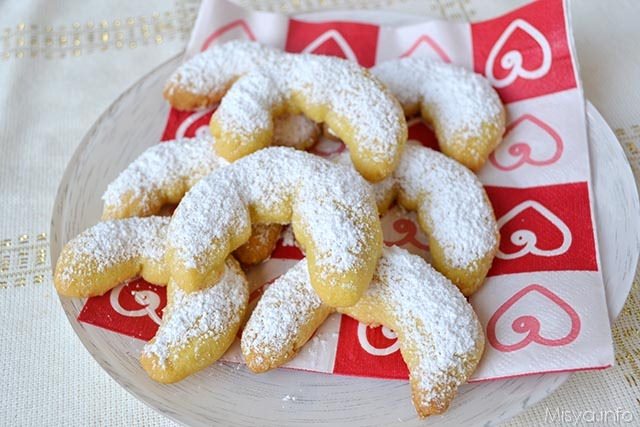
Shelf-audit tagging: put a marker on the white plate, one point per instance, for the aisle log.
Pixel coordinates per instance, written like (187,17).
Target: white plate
(230,395)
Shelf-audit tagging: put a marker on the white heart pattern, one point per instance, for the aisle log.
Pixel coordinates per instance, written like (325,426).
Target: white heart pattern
(337,37)
(148,299)
(527,239)
(202,131)
(513,60)
(376,351)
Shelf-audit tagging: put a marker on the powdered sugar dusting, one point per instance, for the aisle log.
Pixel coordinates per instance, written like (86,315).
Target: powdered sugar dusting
(462,219)
(460,215)
(348,91)
(246,107)
(437,326)
(175,166)
(215,69)
(205,217)
(141,188)
(206,314)
(286,307)
(432,318)
(382,190)
(457,100)
(273,78)
(330,202)
(110,243)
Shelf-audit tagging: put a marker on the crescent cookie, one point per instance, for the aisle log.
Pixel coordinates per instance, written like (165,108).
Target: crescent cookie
(453,210)
(440,337)
(163,173)
(198,327)
(331,209)
(111,252)
(465,111)
(256,84)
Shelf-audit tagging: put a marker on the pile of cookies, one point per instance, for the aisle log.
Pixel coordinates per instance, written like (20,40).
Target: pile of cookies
(236,188)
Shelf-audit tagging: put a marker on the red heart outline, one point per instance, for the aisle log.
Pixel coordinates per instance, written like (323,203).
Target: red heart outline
(429,42)
(410,230)
(531,324)
(226,28)
(523,149)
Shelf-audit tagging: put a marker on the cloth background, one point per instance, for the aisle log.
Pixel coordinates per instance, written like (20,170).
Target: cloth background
(63,62)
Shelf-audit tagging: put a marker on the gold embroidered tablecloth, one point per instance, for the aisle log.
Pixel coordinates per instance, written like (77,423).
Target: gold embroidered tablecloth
(63,62)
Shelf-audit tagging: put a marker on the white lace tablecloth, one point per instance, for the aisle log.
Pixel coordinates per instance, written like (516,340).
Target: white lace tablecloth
(63,62)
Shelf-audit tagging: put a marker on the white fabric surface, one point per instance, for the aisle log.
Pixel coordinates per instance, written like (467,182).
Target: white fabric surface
(50,98)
